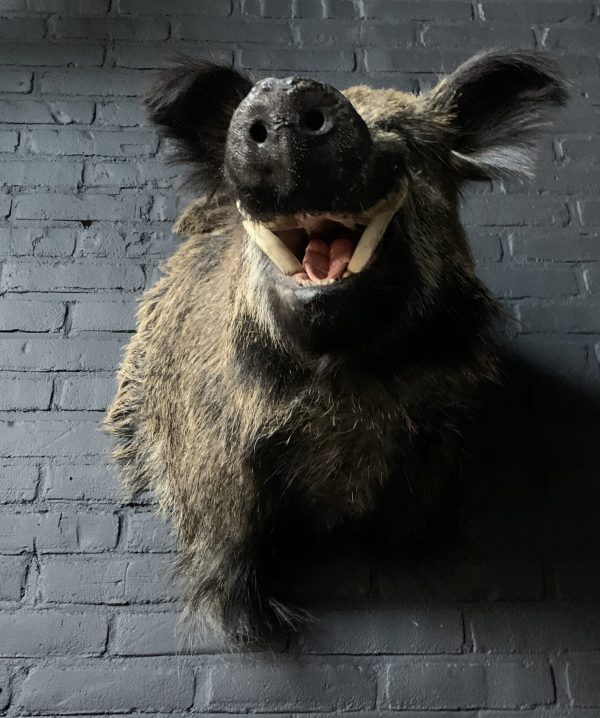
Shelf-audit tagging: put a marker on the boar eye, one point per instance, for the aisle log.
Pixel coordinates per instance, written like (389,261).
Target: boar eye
(258,132)
(314,120)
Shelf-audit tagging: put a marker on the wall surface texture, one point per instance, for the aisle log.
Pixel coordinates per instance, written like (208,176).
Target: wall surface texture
(87,606)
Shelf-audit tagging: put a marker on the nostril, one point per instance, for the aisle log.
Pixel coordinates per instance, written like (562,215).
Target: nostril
(258,131)
(314,120)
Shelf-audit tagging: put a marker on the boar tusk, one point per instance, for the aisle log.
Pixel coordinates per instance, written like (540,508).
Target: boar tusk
(382,214)
(273,247)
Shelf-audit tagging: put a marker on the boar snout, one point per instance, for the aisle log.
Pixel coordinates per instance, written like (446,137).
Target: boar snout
(293,142)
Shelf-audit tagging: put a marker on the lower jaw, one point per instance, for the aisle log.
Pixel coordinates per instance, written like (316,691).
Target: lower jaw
(376,219)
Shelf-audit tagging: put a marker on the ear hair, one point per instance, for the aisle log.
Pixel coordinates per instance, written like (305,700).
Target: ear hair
(192,104)
(500,103)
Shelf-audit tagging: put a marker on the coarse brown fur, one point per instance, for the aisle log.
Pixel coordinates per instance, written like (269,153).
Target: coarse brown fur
(243,420)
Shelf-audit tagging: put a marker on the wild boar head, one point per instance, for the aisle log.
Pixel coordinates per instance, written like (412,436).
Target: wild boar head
(350,199)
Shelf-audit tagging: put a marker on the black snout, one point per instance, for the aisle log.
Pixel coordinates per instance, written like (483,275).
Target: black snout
(296,145)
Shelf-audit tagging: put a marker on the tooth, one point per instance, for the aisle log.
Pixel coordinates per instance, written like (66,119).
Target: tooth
(375,230)
(273,247)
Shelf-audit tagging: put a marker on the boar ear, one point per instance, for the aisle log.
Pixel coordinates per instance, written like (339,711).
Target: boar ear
(499,103)
(192,103)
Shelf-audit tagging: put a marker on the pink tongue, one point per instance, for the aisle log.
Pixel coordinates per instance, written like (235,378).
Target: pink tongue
(327,261)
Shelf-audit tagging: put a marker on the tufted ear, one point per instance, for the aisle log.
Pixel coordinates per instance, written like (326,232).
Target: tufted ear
(192,103)
(499,102)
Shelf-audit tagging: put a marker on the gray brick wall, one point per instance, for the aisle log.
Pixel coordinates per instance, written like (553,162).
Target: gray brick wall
(88,611)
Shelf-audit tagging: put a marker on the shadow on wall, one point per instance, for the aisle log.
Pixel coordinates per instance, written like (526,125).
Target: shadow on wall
(531,497)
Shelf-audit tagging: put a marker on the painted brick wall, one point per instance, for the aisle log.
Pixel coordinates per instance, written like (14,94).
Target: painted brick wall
(87,607)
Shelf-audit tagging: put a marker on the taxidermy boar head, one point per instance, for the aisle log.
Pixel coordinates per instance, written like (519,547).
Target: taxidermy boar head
(318,177)
(314,348)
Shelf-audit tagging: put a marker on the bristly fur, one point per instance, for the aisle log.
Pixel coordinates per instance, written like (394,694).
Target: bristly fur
(246,420)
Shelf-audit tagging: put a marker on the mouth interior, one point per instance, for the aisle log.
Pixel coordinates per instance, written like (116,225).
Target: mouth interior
(326,247)
(322,244)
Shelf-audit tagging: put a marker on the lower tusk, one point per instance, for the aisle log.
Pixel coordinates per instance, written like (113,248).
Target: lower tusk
(273,247)
(375,230)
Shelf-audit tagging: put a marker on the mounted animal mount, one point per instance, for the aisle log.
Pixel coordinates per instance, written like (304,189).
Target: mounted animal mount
(316,345)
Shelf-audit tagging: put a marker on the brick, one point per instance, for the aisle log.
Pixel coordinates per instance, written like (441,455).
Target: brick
(35,112)
(100,82)
(16,80)
(109,28)
(207,29)
(50,438)
(40,242)
(85,393)
(578,316)
(552,245)
(486,245)
(22,28)
(145,56)
(281,8)
(59,354)
(81,580)
(13,571)
(580,40)
(535,630)
(24,394)
(562,356)
(460,580)
(298,60)
(31,316)
(514,210)
(9,139)
(182,7)
(131,174)
(430,61)
(580,149)
(74,207)
(104,316)
(474,36)
(114,580)
(80,482)
(150,579)
(18,483)
(154,634)
(44,54)
(148,532)
(31,174)
(589,212)
(583,681)
(107,689)
(51,633)
(124,143)
(70,7)
(336,33)
(518,281)
(452,685)
(417,10)
(408,630)
(120,112)
(61,276)
(288,685)
(533,12)
(58,532)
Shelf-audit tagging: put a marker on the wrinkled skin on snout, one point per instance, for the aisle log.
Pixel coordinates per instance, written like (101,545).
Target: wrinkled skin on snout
(314,351)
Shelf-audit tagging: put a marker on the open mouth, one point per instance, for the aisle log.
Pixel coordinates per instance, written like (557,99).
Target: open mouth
(324,248)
